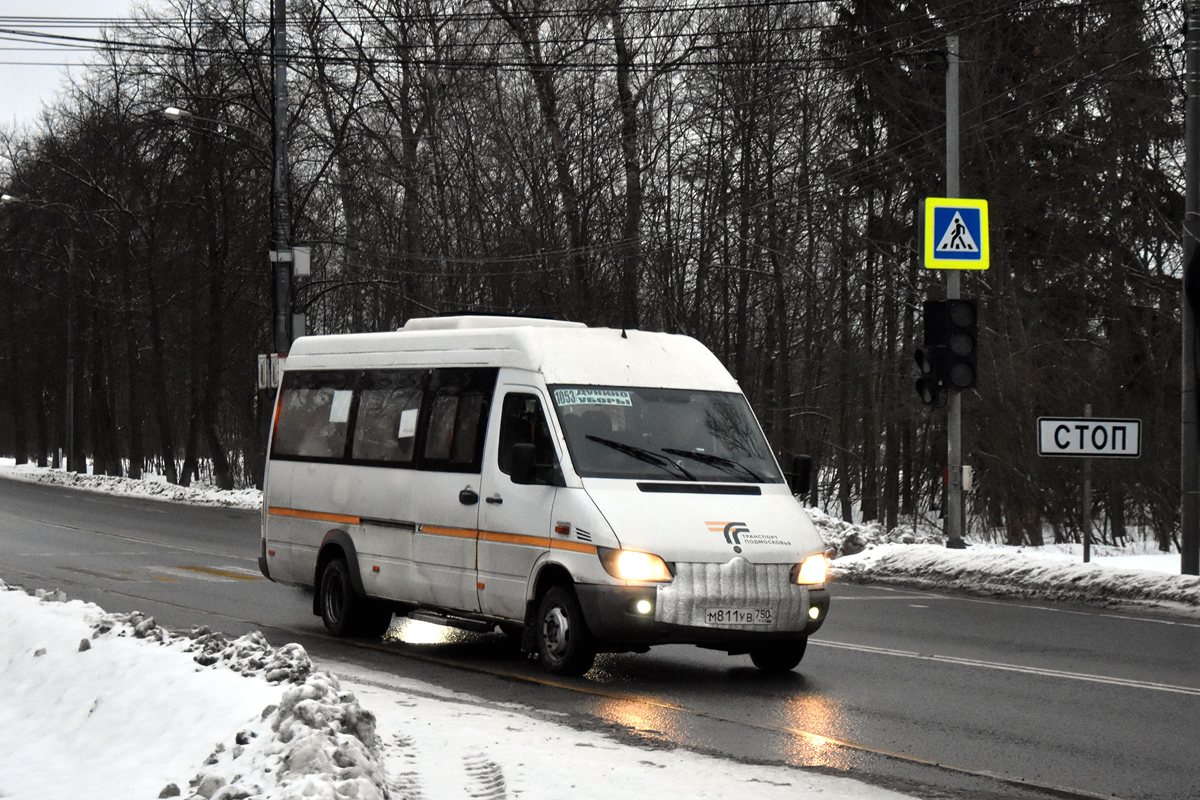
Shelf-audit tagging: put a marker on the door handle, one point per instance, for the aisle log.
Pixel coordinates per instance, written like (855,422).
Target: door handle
(495,500)
(468,497)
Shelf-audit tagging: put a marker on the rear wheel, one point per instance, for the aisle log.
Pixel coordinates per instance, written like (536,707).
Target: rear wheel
(780,657)
(565,646)
(344,612)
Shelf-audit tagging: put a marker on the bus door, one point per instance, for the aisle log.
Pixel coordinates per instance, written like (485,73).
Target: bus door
(446,508)
(515,520)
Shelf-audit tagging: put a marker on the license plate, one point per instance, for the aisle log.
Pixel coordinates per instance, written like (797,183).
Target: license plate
(737,616)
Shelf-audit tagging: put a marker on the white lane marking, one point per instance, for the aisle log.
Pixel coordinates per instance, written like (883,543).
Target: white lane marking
(902,594)
(1050,673)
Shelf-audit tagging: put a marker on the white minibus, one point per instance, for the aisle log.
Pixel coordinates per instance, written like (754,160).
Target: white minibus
(584,489)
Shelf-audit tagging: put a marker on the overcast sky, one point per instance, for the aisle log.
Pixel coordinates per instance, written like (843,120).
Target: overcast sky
(31,73)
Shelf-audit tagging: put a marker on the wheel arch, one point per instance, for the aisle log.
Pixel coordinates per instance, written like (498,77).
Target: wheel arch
(548,575)
(336,544)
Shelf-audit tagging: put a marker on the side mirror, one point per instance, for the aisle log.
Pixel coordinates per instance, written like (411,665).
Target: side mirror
(522,463)
(800,480)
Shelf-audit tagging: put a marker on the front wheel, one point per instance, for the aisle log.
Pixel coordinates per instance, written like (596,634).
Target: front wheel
(343,611)
(565,646)
(780,657)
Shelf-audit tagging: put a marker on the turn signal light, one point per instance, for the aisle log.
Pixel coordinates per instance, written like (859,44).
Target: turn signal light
(631,565)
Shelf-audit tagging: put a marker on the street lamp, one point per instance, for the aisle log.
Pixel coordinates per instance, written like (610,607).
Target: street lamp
(69,459)
(175,114)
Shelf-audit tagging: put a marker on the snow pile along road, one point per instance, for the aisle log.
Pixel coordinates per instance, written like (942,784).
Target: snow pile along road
(91,711)
(997,573)
(151,487)
(867,554)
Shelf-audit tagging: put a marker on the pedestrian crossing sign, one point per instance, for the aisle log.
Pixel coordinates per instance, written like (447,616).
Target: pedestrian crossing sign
(955,233)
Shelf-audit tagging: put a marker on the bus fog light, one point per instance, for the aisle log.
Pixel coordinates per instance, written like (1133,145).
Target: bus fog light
(813,612)
(643,606)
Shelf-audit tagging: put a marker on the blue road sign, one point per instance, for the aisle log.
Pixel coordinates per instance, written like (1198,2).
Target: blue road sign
(956,233)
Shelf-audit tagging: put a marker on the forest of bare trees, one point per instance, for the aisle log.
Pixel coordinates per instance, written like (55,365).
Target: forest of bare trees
(746,173)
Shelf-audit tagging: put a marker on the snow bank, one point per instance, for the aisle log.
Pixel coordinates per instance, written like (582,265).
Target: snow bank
(91,711)
(990,572)
(151,487)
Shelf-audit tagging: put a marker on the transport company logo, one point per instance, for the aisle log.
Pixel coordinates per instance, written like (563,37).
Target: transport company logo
(733,532)
(738,534)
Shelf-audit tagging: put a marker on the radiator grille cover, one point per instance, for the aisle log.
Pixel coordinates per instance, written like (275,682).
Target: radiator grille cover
(739,584)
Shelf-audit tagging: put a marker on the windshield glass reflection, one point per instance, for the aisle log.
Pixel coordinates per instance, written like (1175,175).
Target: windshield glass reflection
(663,434)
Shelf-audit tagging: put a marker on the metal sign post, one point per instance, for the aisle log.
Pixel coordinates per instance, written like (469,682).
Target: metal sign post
(954,237)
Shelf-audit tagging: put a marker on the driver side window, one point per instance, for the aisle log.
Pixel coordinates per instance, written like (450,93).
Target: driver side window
(523,422)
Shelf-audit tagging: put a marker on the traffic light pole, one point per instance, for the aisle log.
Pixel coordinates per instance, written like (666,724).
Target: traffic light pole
(281,257)
(954,471)
(1189,554)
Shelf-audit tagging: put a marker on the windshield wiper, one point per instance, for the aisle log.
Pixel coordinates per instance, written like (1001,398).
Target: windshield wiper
(641,454)
(720,462)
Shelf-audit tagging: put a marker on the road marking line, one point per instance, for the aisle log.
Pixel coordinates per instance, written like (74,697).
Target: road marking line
(1050,673)
(909,594)
(224,573)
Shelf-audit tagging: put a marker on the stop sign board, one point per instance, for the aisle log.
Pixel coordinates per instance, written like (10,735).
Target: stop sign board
(1090,437)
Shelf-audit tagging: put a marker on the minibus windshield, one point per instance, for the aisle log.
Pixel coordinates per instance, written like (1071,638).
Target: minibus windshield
(663,434)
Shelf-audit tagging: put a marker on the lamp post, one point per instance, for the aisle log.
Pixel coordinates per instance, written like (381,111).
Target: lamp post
(69,422)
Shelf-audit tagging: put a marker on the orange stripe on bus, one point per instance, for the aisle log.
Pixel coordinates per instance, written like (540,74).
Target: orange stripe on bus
(437,530)
(465,533)
(317,515)
(576,546)
(514,538)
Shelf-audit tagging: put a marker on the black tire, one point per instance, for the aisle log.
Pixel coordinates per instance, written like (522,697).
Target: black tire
(564,644)
(343,611)
(780,657)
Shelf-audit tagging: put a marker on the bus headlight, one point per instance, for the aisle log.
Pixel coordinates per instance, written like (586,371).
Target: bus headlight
(812,571)
(631,565)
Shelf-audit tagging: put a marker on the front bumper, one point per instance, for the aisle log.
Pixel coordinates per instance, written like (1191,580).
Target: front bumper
(612,617)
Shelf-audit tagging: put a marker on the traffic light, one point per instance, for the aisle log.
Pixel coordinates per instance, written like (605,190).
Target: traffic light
(946,359)
(962,343)
(929,363)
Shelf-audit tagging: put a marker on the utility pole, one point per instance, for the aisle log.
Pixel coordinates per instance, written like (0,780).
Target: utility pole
(1190,427)
(954,470)
(281,253)
(71,463)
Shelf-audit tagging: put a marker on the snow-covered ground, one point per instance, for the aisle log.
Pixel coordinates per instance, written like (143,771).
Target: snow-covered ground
(101,705)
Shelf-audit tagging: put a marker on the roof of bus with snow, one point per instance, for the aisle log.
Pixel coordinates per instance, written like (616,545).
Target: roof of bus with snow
(563,352)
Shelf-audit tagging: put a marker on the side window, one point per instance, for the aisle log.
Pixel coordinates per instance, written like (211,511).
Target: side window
(523,422)
(389,405)
(314,415)
(459,400)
